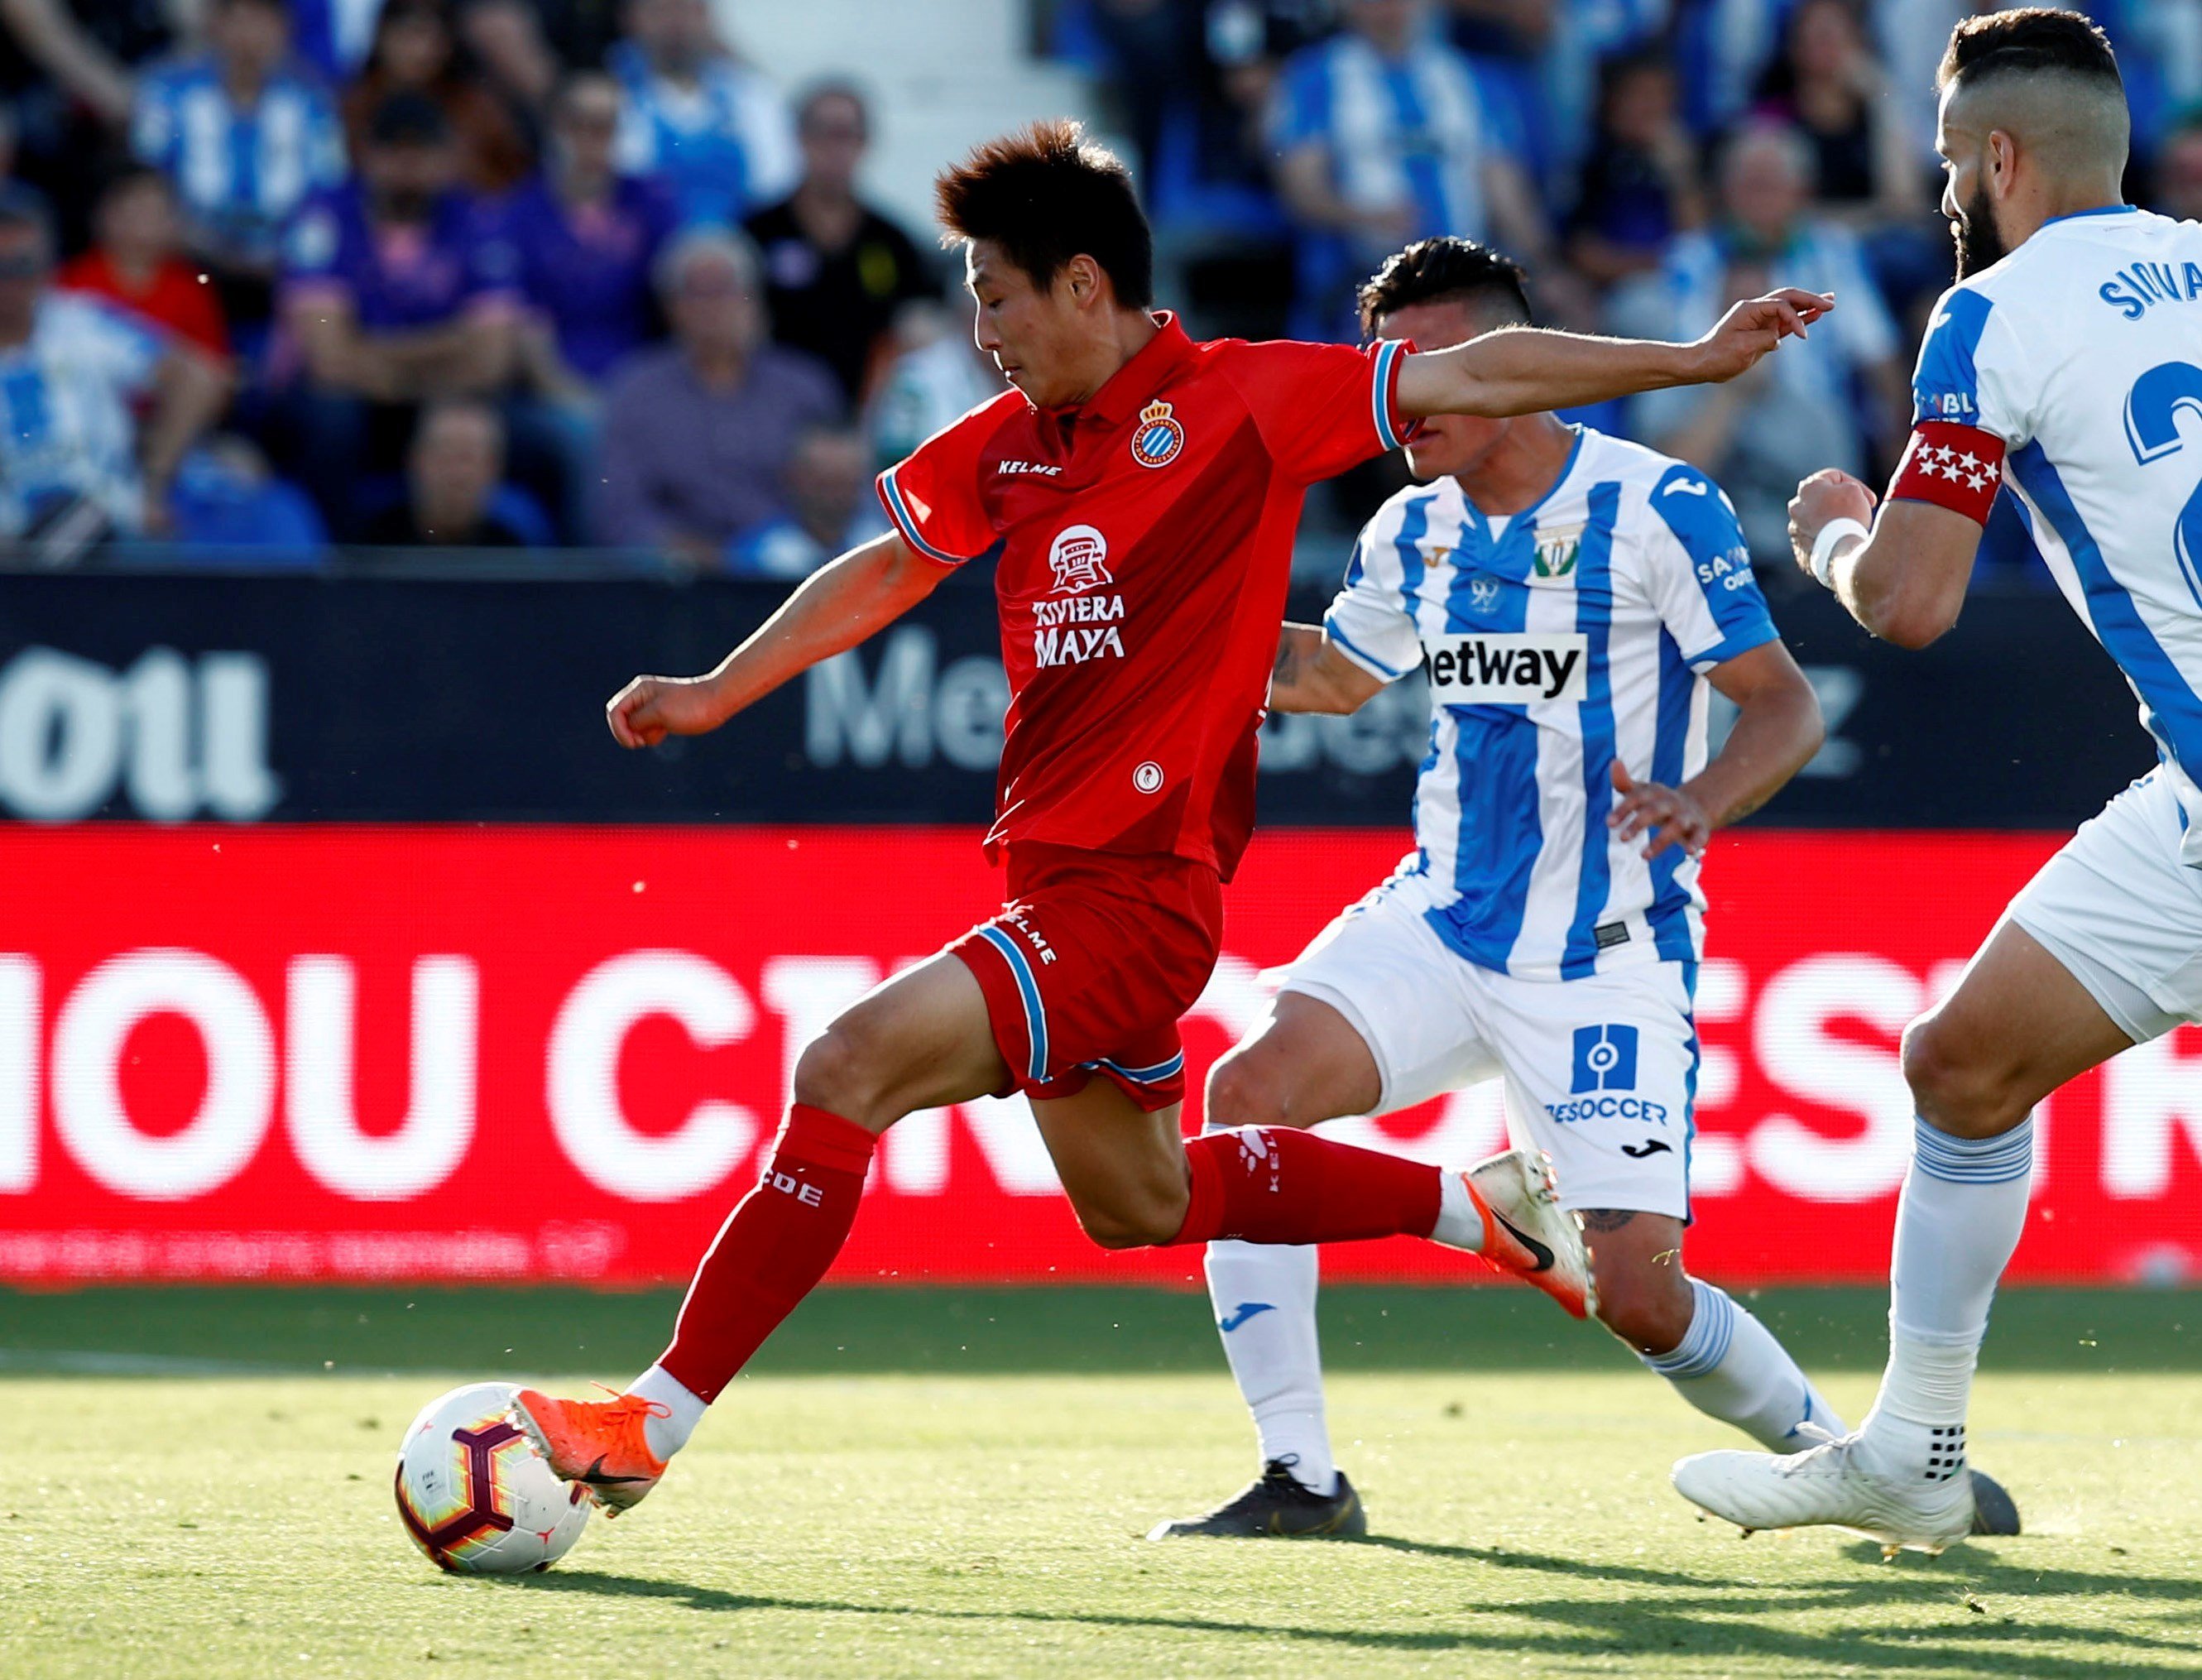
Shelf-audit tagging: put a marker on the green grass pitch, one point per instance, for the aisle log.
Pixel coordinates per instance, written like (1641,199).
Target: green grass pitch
(910,1483)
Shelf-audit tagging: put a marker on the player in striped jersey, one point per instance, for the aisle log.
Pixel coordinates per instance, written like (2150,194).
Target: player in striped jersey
(1576,598)
(2055,373)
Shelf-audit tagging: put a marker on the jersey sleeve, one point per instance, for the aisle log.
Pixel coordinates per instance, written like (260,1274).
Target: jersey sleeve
(1322,409)
(1698,571)
(932,494)
(1369,620)
(1970,405)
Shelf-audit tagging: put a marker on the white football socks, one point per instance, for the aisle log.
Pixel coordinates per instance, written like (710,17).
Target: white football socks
(1264,1299)
(684,1410)
(1962,1209)
(1460,1217)
(1729,1366)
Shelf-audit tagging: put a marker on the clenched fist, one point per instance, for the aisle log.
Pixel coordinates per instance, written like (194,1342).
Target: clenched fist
(651,708)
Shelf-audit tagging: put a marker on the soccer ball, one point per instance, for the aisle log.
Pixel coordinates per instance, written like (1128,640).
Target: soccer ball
(475,1495)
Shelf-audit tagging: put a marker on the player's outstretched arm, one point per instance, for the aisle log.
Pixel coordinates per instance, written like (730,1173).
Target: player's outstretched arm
(1528,369)
(1777,730)
(1903,575)
(836,607)
(1311,674)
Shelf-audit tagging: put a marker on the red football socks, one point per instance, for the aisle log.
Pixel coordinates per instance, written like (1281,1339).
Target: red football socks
(1273,1184)
(773,1249)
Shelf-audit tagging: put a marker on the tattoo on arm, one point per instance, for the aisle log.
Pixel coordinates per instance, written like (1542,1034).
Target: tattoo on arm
(1286,671)
(1606,1220)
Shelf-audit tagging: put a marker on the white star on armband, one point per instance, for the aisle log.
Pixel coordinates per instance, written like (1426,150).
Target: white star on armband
(1822,561)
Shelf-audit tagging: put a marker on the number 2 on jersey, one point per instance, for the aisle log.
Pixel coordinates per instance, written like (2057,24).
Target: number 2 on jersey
(2152,408)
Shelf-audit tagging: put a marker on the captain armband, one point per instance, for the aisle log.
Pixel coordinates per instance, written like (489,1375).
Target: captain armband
(1952,466)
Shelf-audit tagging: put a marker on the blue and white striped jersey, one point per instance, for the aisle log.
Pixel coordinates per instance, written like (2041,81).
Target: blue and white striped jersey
(2081,351)
(238,172)
(724,146)
(1408,133)
(1558,639)
(66,429)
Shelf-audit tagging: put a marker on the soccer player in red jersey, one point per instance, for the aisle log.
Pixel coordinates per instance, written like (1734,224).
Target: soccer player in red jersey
(1137,493)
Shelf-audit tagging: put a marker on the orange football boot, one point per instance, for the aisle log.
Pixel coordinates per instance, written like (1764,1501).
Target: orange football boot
(1526,1232)
(600,1444)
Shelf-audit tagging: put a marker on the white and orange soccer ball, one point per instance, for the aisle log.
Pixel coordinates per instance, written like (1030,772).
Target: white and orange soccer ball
(475,1495)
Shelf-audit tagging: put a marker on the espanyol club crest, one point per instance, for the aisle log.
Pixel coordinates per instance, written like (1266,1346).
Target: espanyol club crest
(1158,439)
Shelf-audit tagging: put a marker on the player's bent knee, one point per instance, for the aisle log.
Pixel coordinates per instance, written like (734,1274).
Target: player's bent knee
(1954,1087)
(840,1071)
(1239,1094)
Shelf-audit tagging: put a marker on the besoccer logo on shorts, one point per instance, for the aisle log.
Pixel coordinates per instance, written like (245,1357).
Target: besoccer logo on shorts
(1605,1059)
(1158,439)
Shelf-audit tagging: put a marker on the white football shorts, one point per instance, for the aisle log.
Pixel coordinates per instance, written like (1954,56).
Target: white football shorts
(2117,908)
(1600,1071)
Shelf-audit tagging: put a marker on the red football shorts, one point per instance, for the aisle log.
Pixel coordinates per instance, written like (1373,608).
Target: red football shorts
(1090,964)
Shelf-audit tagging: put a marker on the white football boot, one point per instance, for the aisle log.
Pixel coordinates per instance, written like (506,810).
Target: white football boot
(1829,1484)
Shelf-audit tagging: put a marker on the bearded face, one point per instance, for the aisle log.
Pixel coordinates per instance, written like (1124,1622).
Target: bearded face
(1980,244)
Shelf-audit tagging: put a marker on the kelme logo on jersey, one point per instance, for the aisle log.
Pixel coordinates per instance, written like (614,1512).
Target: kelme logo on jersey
(1558,550)
(1159,439)
(1500,670)
(1605,1059)
(1077,554)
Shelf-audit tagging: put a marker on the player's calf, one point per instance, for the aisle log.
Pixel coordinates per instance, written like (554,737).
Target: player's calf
(1643,1295)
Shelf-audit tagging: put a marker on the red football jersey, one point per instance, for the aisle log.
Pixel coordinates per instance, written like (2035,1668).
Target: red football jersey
(1145,541)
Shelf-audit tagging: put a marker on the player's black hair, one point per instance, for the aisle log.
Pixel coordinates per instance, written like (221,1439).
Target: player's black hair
(2031,39)
(1450,268)
(1047,194)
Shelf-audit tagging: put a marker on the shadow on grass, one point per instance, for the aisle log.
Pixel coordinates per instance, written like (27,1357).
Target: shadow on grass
(1995,1624)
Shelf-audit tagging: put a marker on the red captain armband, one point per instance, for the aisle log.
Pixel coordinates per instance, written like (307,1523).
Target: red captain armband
(1955,467)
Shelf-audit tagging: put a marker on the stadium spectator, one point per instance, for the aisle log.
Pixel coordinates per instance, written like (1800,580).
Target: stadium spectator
(84,52)
(584,240)
(1641,183)
(2178,185)
(938,376)
(1846,379)
(515,61)
(247,134)
(135,261)
(75,465)
(697,435)
(454,473)
(1826,81)
(580,33)
(830,510)
(1381,137)
(395,293)
(416,50)
(228,507)
(717,131)
(836,271)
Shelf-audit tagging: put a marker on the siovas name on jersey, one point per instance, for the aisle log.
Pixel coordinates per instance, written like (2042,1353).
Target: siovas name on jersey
(1075,624)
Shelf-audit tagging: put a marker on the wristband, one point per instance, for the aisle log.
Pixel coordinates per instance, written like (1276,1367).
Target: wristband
(1823,563)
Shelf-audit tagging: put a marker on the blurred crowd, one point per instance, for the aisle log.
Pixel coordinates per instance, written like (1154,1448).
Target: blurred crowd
(277,274)
(1649,161)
